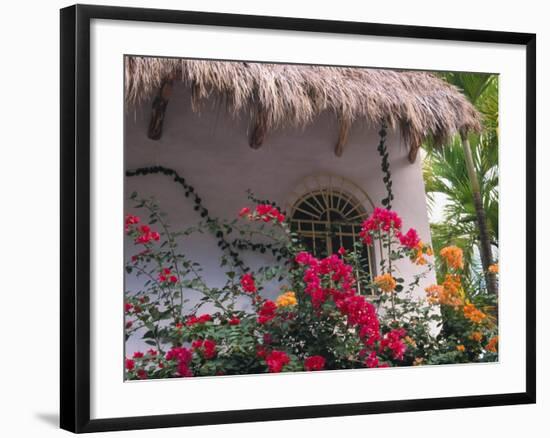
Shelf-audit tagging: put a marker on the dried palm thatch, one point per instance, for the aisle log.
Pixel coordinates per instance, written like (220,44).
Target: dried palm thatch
(277,95)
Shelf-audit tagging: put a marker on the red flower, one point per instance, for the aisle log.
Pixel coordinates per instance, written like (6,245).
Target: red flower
(129,324)
(234,321)
(342,251)
(137,355)
(244,211)
(261,351)
(314,363)
(130,364)
(192,320)
(142,374)
(166,271)
(248,284)
(206,347)
(128,307)
(155,236)
(173,279)
(267,312)
(145,229)
(381,219)
(131,219)
(152,352)
(410,239)
(393,341)
(180,354)
(276,360)
(372,360)
(263,212)
(183,370)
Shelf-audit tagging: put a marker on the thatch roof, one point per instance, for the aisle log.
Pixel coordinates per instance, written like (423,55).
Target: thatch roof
(276,95)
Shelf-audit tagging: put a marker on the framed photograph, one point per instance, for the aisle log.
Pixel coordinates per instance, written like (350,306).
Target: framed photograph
(269,218)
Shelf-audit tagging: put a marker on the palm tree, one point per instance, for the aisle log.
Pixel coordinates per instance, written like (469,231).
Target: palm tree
(466,173)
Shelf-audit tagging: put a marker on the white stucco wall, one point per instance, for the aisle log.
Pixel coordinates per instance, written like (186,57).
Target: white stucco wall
(210,149)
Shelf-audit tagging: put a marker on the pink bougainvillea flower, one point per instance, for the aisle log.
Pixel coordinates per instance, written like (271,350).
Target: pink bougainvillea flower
(248,284)
(267,312)
(181,354)
(381,220)
(410,239)
(142,374)
(263,212)
(137,355)
(234,321)
(244,211)
(129,364)
(192,320)
(314,363)
(393,340)
(173,279)
(128,307)
(276,360)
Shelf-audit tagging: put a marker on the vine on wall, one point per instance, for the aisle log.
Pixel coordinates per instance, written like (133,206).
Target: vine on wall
(221,233)
(385,165)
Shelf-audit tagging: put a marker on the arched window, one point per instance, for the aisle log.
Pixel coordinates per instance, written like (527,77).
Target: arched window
(327,219)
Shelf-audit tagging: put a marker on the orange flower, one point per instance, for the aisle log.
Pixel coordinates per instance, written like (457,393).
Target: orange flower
(492,345)
(493,269)
(286,300)
(460,348)
(434,293)
(447,294)
(476,336)
(452,256)
(473,313)
(385,282)
(422,250)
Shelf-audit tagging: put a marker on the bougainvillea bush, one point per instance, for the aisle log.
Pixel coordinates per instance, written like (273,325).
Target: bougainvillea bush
(329,314)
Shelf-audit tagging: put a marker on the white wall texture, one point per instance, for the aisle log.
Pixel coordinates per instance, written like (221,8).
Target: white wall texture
(29,183)
(210,149)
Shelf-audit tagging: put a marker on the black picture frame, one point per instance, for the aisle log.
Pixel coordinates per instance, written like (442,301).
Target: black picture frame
(75,217)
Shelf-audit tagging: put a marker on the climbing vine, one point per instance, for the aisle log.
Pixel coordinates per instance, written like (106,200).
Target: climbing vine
(221,232)
(385,165)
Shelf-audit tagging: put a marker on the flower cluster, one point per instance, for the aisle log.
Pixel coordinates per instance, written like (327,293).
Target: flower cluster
(393,340)
(314,363)
(267,312)
(472,313)
(264,213)
(276,360)
(182,356)
(166,276)
(448,293)
(333,278)
(130,220)
(206,347)
(333,270)
(492,345)
(288,299)
(146,235)
(381,219)
(410,239)
(421,252)
(452,255)
(248,284)
(385,282)
(192,320)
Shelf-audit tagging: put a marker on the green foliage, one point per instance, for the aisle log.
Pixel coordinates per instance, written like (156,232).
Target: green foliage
(445,174)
